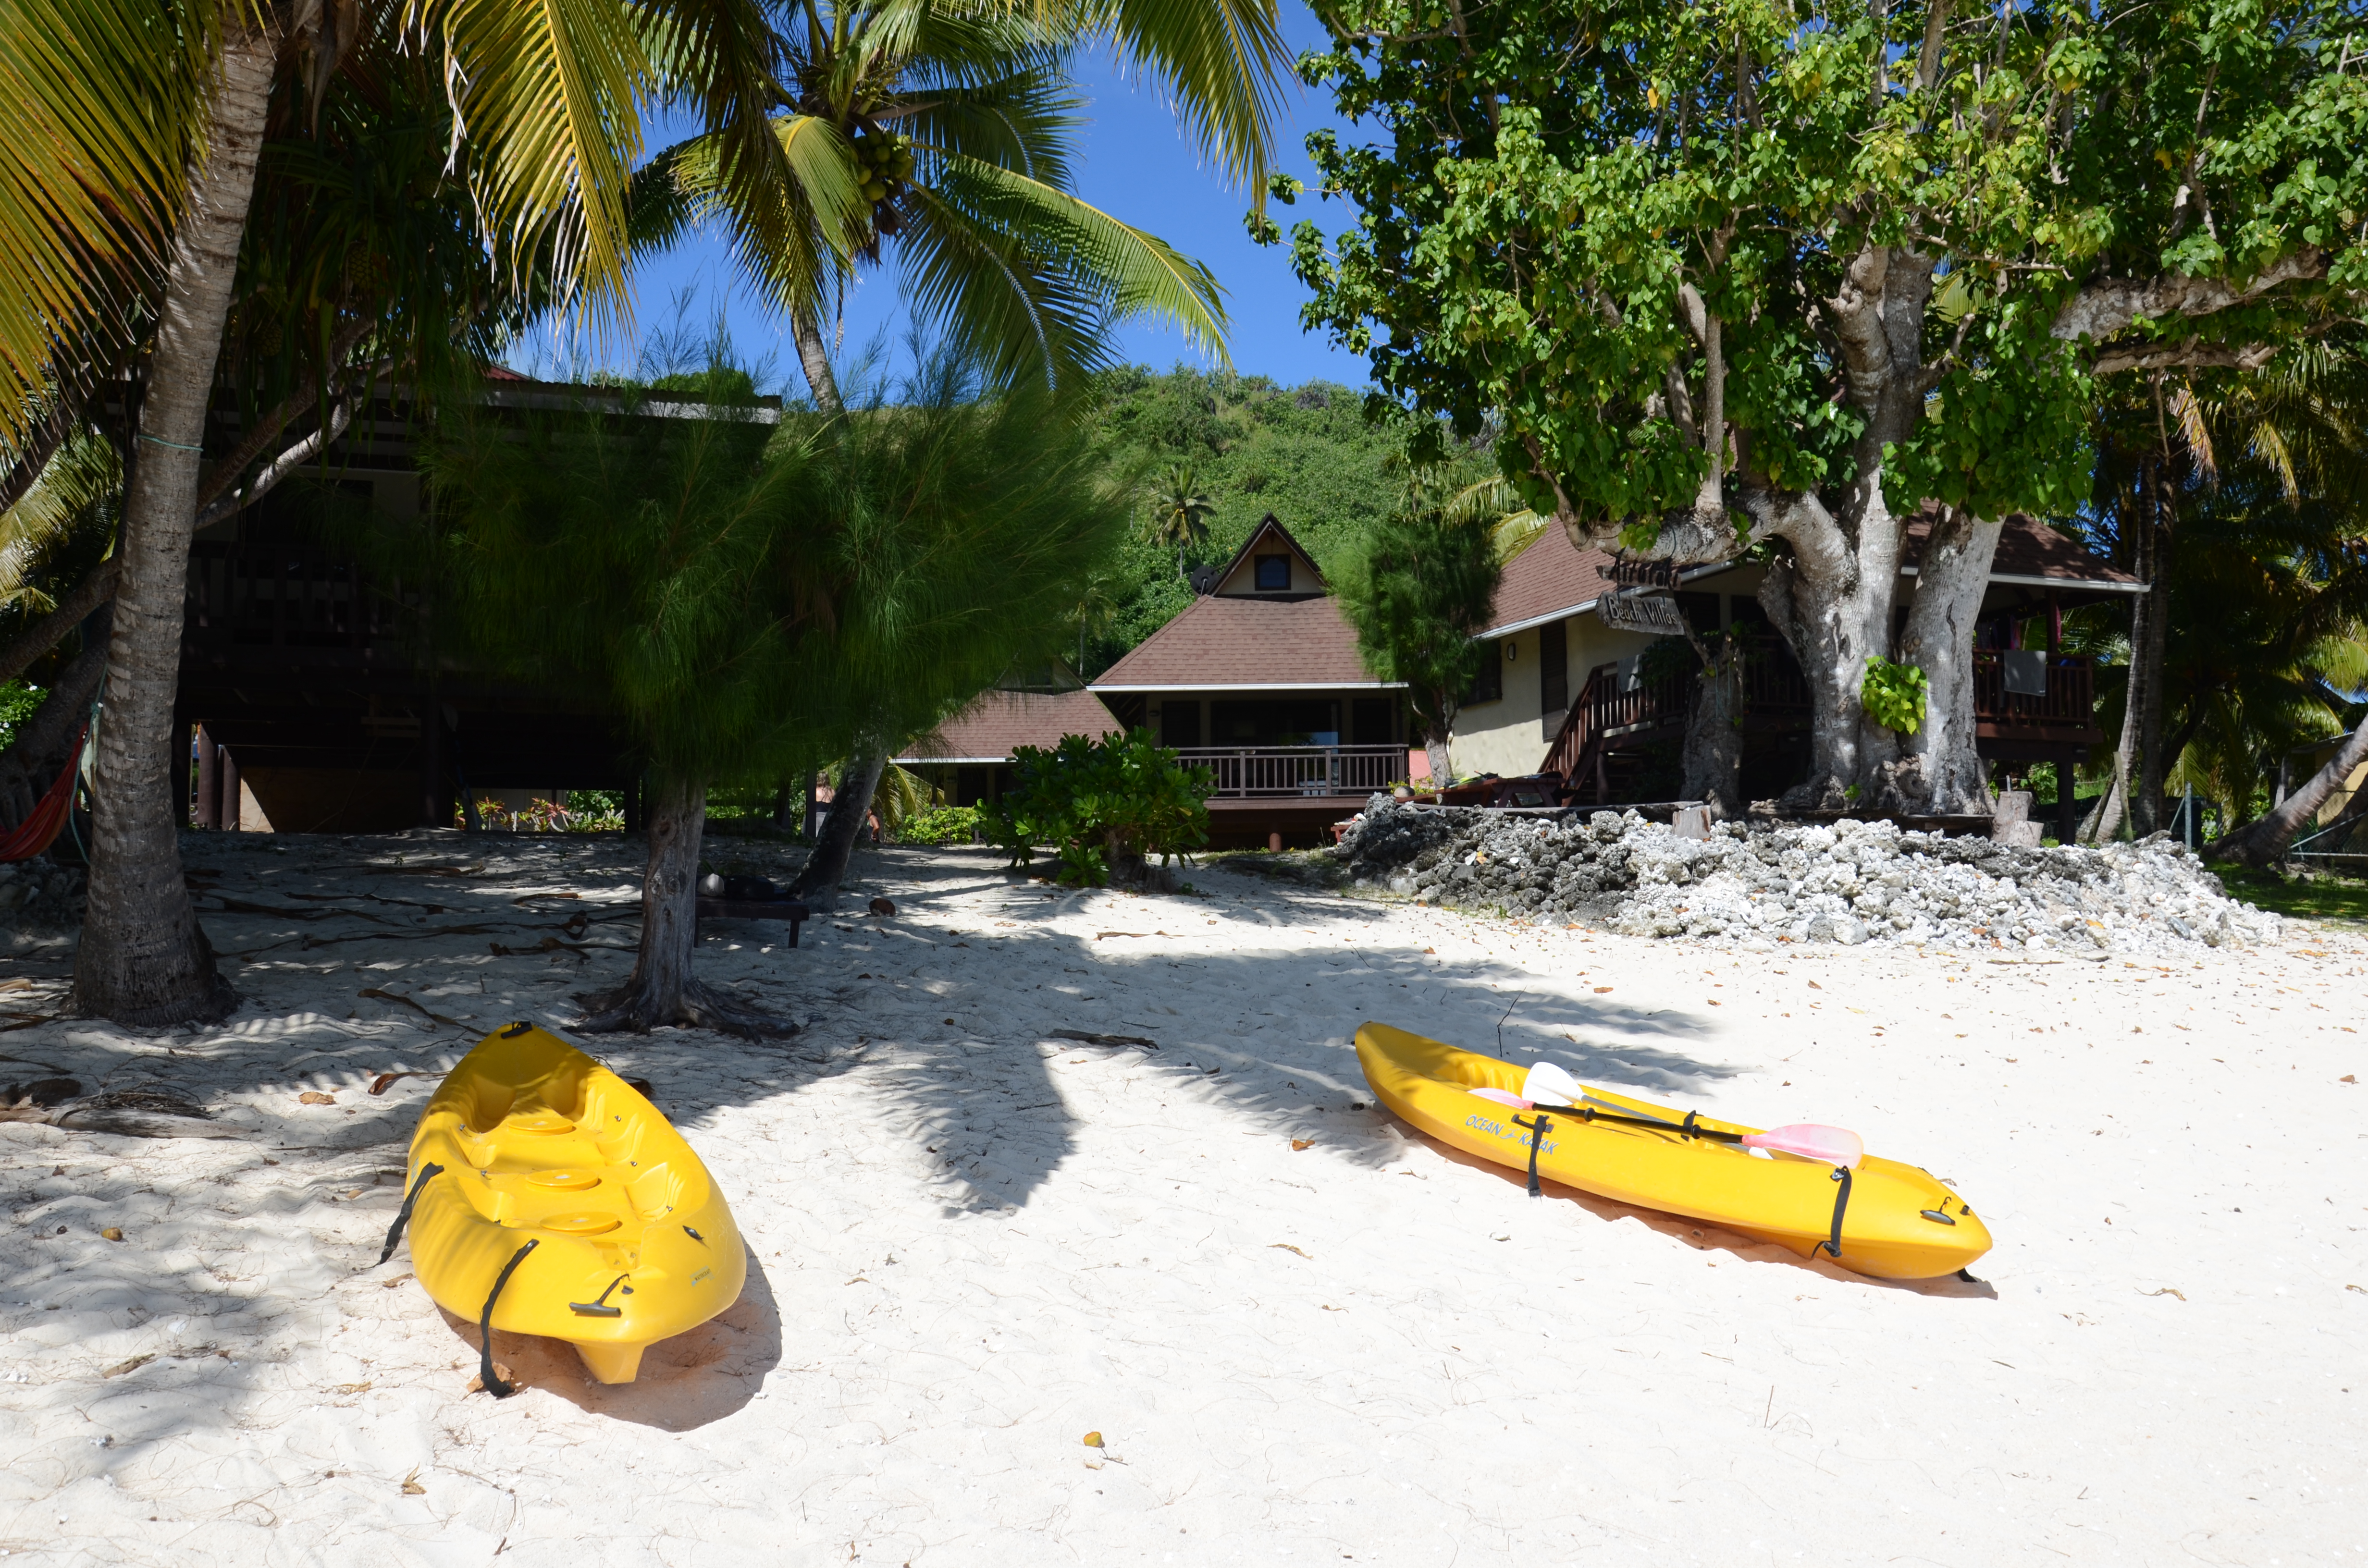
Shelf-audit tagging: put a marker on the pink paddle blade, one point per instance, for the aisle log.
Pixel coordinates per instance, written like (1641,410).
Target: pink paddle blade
(1834,1145)
(1502,1097)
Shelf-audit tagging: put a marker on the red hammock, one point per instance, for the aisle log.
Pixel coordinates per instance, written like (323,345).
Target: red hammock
(39,830)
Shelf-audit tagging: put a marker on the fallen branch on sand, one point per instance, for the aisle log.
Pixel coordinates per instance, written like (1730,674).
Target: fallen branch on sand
(374,991)
(145,1112)
(1085,1036)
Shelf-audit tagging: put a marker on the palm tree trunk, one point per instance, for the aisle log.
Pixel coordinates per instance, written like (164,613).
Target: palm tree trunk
(143,960)
(814,355)
(835,845)
(2268,838)
(662,990)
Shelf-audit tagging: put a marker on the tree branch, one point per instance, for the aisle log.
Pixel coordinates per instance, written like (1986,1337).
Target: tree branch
(223,474)
(46,633)
(2250,357)
(340,416)
(2103,309)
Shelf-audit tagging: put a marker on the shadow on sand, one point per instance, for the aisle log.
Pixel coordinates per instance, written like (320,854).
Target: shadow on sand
(692,1380)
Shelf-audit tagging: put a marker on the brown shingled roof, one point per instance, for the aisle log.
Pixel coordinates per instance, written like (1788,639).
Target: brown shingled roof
(999,722)
(1553,576)
(1222,642)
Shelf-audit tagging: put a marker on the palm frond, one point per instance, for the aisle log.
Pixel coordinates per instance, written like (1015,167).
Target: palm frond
(105,115)
(546,93)
(1033,277)
(81,488)
(1220,62)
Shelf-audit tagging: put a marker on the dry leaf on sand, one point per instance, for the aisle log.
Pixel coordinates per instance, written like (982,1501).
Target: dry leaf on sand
(314,1096)
(132,1366)
(1298,1143)
(1286,1247)
(411,1487)
(477,1383)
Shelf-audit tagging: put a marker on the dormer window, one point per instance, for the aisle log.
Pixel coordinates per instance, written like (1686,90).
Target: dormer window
(1274,574)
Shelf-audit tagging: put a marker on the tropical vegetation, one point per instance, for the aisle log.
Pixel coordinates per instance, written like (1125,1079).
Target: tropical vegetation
(1784,275)
(1103,806)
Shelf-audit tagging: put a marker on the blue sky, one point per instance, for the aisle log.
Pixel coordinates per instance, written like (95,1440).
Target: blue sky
(1136,166)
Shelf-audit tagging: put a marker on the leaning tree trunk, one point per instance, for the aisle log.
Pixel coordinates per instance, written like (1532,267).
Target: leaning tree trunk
(851,805)
(44,742)
(2146,612)
(2268,838)
(663,990)
(143,959)
(1941,772)
(2146,655)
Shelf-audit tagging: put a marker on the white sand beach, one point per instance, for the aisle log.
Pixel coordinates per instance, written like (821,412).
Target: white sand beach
(1301,1332)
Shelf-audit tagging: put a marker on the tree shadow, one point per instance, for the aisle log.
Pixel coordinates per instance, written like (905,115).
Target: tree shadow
(693,1380)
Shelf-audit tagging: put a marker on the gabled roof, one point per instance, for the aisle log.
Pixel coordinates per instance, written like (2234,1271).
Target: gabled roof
(1243,642)
(1265,539)
(990,729)
(1553,578)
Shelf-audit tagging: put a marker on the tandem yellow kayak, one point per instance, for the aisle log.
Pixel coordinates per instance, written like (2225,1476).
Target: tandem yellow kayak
(546,1196)
(1875,1217)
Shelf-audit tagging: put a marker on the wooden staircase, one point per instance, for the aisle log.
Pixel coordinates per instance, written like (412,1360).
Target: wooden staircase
(1602,751)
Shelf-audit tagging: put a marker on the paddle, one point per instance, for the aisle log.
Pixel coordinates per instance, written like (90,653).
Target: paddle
(1829,1145)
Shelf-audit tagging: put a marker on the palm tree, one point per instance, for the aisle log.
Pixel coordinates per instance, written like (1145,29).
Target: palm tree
(125,198)
(1179,512)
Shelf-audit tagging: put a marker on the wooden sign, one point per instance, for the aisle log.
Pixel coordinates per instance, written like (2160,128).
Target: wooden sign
(1629,571)
(1654,615)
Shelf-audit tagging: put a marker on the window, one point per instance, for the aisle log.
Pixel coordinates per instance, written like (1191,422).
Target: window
(1488,681)
(1274,574)
(1553,667)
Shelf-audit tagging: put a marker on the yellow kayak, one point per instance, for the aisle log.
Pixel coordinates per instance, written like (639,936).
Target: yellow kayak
(1878,1218)
(545,1195)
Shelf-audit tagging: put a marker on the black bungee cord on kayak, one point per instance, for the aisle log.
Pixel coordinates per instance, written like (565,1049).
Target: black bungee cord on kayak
(1537,1139)
(496,1384)
(1841,1203)
(402,1215)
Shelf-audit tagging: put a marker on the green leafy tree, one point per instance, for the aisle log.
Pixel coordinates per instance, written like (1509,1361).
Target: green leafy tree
(752,600)
(1423,584)
(1105,806)
(1741,273)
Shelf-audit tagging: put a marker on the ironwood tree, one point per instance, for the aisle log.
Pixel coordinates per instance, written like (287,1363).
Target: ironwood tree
(1788,273)
(747,599)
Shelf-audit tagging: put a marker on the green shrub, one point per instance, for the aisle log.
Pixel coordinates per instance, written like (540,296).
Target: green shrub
(1099,801)
(1893,694)
(938,824)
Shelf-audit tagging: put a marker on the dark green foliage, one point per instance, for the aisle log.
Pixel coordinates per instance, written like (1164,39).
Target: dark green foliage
(1099,804)
(1307,454)
(938,824)
(1537,183)
(1417,592)
(752,600)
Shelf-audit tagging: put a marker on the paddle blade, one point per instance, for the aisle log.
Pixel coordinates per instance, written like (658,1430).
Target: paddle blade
(1549,1085)
(1834,1145)
(1502,1097)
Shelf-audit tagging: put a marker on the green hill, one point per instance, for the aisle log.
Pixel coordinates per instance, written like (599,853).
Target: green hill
(1304,453)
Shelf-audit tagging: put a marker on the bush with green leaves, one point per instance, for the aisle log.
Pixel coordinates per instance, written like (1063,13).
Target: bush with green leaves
(1893,694)
(1101,805)
(940,825)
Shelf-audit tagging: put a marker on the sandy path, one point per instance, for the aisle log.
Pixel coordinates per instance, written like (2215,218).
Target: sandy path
(973,1244)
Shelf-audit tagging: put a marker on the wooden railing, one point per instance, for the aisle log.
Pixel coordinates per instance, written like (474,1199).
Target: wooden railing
(250,595)
(1608,708)
(2067,710)
(1298,771)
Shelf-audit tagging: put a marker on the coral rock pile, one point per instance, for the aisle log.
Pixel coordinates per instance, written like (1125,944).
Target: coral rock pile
(1847,881)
